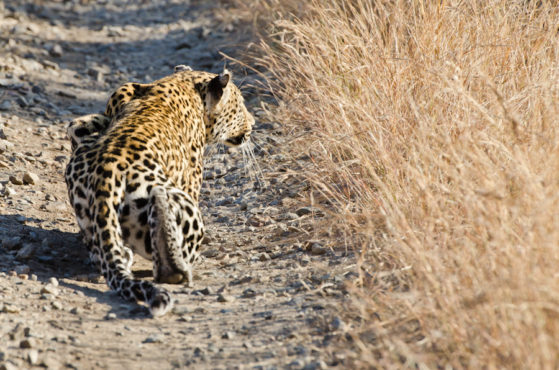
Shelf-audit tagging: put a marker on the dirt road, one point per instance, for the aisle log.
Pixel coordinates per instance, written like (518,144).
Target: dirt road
(264,296)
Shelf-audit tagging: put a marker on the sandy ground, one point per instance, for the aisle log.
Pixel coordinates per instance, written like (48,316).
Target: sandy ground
(265,295)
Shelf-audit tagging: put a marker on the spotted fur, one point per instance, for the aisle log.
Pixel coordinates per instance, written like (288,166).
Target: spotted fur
(135,174)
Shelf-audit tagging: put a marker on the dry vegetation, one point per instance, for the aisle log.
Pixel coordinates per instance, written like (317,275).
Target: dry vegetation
(433,129)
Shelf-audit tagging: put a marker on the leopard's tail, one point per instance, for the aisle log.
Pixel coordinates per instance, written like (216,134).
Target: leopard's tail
(159,300)
(120,279)
(115,259)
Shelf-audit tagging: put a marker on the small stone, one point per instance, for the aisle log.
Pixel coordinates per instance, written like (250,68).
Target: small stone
(317,250)
(96,73)
(249,293)
(228,335)
(22,101)
(51,362)
(50,289)
(14,180)
(11,243)
(337,324)
(314,247)
(304,211)
(26,252)
(206,291)
(225,298)
(153,339)
(27,343)
(110,316)
(264,257)
(33,356)
(76,311)
(30,178)
(210,253)
(9,192)
(53,281)
(56,305)
(291,216)
(8,366)
(198,352)
(295,364)
(8,308)
(6,105)
(33,277)
(56,51)
(5,145)
(180,310)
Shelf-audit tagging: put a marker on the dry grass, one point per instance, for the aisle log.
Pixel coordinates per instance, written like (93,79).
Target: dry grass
(433,127)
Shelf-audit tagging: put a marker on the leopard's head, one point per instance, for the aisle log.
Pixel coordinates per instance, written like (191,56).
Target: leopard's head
(227,118)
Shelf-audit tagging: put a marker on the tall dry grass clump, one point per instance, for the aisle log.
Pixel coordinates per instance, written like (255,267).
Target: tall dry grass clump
(433,126)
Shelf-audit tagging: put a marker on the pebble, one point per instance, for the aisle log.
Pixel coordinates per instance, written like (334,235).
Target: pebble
(153,339)
(180,310)
(198,352)
(30,178)
(50,289)
(249,293)
(56,51)
(5,145)
(6,105)
(27,251)
(291,216)
(27,343)
(56,305)
(51,362)
(11,243)
(206,291)
(8,308)
(337,324)
(8,366)
(110,316)
(33,356)
(225,298)
(295,364)
(304,211)
(9,192)
(14,180)
(264,257)
(314,247)
(228,335)
(76,311)
(53,281)
(210,253)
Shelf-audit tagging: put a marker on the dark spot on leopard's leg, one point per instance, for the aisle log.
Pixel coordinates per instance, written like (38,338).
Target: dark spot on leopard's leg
(147,244)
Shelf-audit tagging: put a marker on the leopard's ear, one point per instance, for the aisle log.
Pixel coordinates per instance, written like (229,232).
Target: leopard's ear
(217,85)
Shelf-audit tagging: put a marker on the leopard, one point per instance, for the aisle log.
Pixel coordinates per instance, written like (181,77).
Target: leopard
(135,173)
